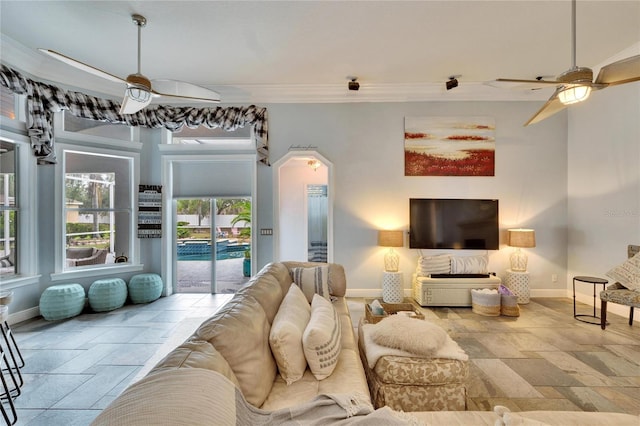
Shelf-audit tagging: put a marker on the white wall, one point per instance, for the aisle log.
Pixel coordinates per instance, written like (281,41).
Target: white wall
(295,176)
(604,183)
(365,143)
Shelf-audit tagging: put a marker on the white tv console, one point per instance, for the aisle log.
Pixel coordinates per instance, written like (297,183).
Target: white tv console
(429,291)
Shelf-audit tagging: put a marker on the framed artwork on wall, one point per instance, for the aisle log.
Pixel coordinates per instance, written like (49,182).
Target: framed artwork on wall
(449,146)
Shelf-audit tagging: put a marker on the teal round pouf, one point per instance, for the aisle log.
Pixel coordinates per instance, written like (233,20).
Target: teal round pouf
(107,294)
(145,288)
(62,301)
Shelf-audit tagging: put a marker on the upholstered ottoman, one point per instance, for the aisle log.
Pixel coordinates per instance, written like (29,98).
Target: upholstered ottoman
(145,288)
(62,301)
(416,383)
(107,294)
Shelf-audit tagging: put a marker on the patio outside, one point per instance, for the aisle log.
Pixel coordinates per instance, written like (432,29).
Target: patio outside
(197,244)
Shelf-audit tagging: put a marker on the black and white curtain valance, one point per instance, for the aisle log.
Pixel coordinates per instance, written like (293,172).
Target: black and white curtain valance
(43,100)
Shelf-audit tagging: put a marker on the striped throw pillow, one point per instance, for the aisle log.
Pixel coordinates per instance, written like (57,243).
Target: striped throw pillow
(312,281)
(321,338)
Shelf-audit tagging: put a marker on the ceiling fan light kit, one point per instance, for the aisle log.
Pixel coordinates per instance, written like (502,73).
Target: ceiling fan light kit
(576,84)
(574,94)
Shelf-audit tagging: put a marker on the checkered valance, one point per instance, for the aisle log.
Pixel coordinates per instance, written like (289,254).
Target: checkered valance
(45,99)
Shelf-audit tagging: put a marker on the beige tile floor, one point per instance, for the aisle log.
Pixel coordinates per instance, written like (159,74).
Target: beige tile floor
(542,360)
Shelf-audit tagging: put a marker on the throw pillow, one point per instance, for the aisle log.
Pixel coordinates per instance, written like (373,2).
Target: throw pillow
(321,338)
(409,334)
(627,273)
(285,337)
(427,265)
(312,281)
(469,264)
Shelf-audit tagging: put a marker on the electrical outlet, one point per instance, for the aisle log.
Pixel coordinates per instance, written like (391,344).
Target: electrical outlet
(554,278)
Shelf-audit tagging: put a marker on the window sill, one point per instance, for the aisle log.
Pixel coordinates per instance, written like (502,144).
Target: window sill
(16,281)
(96,272)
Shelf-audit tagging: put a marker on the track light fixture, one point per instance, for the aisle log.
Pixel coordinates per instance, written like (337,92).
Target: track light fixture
(452,82)
(353,83)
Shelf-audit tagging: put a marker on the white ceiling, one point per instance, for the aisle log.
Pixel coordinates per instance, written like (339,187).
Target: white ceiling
(297,51)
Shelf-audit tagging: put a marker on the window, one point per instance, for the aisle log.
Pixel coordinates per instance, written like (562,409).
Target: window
(18,242)
(97,208)
(9,213)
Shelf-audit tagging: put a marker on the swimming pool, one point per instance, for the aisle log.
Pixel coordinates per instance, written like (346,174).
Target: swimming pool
(221,255)
(201,249)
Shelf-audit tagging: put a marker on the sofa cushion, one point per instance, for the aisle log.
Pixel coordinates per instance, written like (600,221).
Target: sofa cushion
(321,338)
(280,272)
(347,378)
(312,281)
(266,289)
(286,335)
(196,354)
(240,332)
(191,396)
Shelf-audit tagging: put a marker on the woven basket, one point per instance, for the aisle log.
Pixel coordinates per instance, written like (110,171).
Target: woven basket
(487,304)
(509,305)
(391,309)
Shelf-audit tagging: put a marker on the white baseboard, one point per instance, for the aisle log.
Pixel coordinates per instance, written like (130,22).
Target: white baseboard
(23,315)
(612,308)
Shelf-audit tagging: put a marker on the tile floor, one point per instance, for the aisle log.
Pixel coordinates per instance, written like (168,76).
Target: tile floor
(542,360)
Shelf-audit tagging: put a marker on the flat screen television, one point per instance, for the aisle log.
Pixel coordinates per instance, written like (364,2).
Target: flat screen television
(463,224)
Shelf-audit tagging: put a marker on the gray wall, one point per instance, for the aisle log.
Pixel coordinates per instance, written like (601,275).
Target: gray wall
(365,143)
(604,182)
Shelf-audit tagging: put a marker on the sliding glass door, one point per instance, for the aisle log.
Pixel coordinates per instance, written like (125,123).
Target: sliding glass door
(213,244)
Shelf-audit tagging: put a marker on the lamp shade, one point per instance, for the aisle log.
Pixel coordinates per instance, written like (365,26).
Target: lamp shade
(522,238)
(390,239)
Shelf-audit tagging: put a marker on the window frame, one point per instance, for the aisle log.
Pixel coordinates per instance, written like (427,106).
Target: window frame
(94,145)
(26,208)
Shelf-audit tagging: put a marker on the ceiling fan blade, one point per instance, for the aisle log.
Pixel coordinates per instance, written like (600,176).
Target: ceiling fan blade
(552,106)
(82,66)
(183,90)
(620,72)
(511,83)
(130,105)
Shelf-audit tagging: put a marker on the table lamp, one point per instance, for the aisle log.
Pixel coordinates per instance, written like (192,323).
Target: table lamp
(520,238)
(391,239)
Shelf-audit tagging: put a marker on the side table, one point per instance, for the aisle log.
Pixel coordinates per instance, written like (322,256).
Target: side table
(392,289)
(518,282)
(591,280)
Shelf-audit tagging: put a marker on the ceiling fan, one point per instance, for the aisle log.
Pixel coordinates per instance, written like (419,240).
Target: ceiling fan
(140,90)
(575,84)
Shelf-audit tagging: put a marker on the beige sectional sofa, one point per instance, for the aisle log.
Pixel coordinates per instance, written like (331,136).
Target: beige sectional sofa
(235,343)
(231,350)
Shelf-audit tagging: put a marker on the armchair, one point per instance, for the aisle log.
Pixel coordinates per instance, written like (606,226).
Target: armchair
(617,293)
(81,256)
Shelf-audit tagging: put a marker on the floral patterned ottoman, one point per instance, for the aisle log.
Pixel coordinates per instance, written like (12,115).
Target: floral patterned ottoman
(416,384)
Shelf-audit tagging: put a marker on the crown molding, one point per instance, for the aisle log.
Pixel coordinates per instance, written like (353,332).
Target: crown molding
(40,67)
